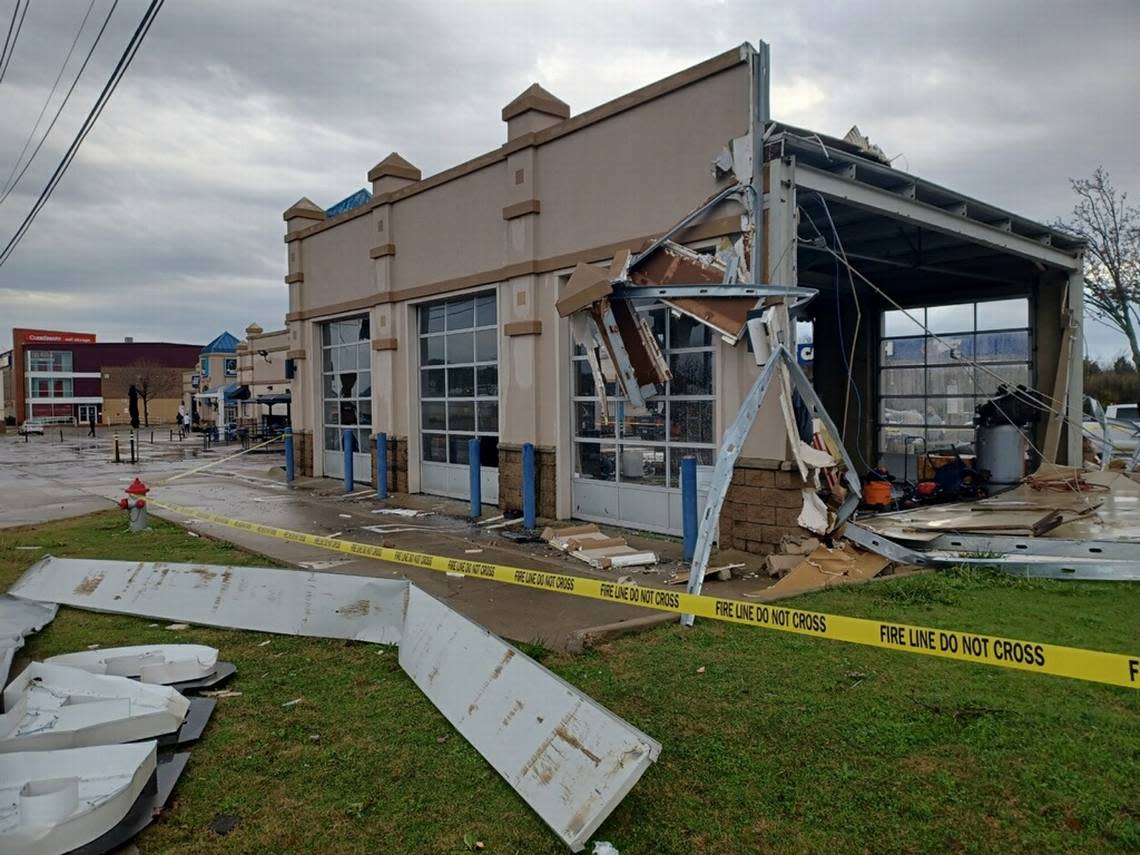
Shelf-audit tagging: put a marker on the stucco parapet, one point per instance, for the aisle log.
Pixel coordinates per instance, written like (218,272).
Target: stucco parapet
(534,97)
(396,166)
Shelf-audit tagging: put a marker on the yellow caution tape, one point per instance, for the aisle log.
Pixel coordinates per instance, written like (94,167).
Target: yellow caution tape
(1092,665)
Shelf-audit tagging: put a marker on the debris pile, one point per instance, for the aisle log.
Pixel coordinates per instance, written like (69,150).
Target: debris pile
(601,551)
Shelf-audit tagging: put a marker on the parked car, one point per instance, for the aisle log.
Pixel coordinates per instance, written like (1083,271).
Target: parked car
(30,427)
(1131,412)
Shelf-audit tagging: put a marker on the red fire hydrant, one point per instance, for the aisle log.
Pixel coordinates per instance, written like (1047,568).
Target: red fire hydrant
(135,502)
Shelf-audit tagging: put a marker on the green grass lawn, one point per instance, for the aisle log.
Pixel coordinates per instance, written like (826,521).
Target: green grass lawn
(783,743)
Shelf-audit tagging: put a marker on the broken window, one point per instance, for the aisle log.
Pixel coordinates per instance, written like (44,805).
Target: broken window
(346,381)
(613,442)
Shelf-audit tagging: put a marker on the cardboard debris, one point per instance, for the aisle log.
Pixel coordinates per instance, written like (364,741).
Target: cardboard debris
(826,567)
(590,544)
(780,565)
(723,573)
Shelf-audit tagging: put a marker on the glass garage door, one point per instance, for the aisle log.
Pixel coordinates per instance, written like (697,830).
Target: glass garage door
(459,394)
(346,383)
(626,465)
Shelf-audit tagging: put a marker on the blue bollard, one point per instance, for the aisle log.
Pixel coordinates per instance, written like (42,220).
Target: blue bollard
(289,464)
(689,506)
(381,465)
(347,440)
(528,485)
(476,484)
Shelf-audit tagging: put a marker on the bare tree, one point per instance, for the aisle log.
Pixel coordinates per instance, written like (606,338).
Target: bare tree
(153,381)
(1111,227)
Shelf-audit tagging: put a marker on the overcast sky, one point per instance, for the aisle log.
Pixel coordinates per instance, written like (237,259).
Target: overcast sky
(168,225)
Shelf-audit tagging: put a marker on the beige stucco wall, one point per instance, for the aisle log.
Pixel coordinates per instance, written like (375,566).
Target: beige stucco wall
(610,183)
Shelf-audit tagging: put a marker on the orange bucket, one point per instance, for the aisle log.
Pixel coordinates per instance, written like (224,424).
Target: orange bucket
(877,493)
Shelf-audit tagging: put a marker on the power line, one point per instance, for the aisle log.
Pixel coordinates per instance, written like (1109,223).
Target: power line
(63,103)
(51,95)
(8,35)
(120,69)
(6,61)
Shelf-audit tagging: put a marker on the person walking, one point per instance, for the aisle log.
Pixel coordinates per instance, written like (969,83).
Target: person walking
(91,423)
(188,422)
(181,420)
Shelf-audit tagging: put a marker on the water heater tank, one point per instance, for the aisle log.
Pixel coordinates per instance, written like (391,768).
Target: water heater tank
(1001,453)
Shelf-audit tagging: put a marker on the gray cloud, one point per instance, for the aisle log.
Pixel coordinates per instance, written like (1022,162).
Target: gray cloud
(168,224)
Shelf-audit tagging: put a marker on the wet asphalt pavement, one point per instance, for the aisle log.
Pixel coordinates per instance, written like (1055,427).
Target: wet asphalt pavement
(45,479)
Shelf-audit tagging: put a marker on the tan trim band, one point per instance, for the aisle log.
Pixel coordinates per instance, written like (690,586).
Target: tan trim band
(701,231)
(384,344)
(521,209)
(523,328)
(382,250)
(382,169)
(296,213)
(708,68)
(295,354)
(294,277)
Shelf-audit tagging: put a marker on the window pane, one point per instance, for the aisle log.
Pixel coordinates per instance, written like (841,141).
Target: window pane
(1011,375)
(896,323)
(461,382)
(365,385)
(435,447)
(951,319)
(460,348)
(346,384)
(348,413)
(485,311)
(951,380)
(945,438)
(1003,314)
(332,439)
(691,421)
(457,448)
(692,373)
(950,411)
(488,416)
(902,411)
(486,345)
(685,332)
(431,319)
(326,362)
(594,461)
(362,330)
(649,426)
(434,415)
(461,416)
(643,465)
(658,319)
(488,377)
(902,381)
(433,383)
(364,412)
(326,335)
(460,313)
(588,420)
(705,457)
(431,350)
(1003,347)
(903,351)
(583,379)
(950,349)
(489,451)
(332,412)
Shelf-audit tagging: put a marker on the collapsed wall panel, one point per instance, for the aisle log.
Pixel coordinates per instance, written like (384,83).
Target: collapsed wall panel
(18,618)
(570,758)
(262,599)
(150,663)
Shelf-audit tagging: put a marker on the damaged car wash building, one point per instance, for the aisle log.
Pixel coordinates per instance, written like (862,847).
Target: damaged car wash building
(428,308)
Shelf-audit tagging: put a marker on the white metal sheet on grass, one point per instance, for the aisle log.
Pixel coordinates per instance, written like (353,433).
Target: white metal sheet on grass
(570,758)
(17,619)
(262,599)
(151,663)
(56,801)
(53,706)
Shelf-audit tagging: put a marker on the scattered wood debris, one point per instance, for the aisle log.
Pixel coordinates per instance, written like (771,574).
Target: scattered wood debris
(723,573)
(590,544)
(823,568)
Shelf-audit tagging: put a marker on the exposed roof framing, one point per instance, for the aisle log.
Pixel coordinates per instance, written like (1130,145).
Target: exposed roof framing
(834,169)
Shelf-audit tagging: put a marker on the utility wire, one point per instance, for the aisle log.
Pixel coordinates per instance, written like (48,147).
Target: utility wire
(43,109)
(112,83)
(8,35)
(6,60)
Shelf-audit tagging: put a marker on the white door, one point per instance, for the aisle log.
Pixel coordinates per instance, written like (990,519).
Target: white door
(346,384)
(459,394)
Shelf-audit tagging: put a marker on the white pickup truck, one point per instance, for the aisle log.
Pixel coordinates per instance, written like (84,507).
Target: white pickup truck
(1123,411)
